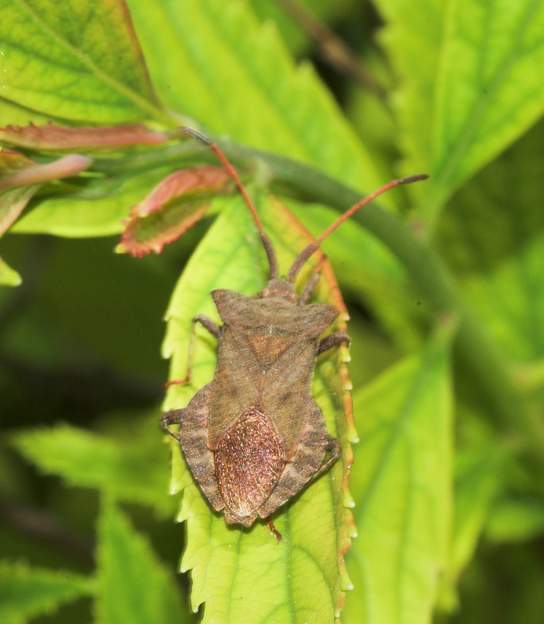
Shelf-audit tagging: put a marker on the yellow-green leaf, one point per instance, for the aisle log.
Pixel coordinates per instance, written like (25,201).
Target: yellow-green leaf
(403,491)
(246,576)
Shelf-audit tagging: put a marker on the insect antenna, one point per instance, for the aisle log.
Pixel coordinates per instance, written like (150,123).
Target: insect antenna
(308,251)
(233,174)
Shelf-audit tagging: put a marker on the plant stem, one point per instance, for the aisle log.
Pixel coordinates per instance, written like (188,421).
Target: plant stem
(426,269)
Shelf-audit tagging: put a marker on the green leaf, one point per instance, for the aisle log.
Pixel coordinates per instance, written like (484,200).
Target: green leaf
(215,62)
(28,592)
(99,209)
(489,87)
(133,585)
(301,578)
(402,485)
(510,295)
(131,469)
(472,84)
(75,60)
(478,480)
(8,276)
(515,520)
(500,267)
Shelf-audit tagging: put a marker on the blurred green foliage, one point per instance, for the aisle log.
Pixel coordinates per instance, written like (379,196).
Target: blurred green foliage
(449,496)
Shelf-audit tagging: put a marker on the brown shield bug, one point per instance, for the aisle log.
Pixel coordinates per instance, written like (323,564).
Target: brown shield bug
(254,436)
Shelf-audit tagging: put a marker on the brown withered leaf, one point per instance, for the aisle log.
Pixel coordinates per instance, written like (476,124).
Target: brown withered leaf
(20,178)
(173,206)
(35,173)
(54,137)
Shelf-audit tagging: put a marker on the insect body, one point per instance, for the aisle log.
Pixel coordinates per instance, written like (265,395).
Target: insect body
(254,436)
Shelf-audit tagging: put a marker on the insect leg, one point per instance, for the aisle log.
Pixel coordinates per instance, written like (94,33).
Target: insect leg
(311,284)
(272,527)
(334,340)
(213,328)
(173,417)
(207,323)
